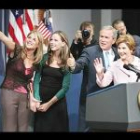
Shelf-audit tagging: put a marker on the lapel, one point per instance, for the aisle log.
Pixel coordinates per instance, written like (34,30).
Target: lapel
(116,53)
(100,55)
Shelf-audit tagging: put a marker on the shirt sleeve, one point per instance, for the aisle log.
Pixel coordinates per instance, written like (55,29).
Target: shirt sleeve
(15,52)
(107,79)
(37,78)
(65,86)
(82,61)
(36,85)
(76,49)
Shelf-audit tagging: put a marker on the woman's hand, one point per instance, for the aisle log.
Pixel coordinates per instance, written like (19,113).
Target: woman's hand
(33,103)
(44,107)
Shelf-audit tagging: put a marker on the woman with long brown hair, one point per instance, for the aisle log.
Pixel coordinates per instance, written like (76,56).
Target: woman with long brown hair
(51,84)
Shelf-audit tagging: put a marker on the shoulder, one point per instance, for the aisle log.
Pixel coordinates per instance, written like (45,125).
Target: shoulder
(92,48)
(16,52)
(94,41)
(65,71)
(45,56)
(136,62)
(137,39)
(18,48)
(114,48)
(136,59)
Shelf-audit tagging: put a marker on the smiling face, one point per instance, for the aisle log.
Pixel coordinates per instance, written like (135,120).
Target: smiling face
(56,43)
(106,39)
(124,52)
(32,41)
(121,28)
(126,46)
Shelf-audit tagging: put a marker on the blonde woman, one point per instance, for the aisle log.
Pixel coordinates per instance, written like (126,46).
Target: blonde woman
(22,62)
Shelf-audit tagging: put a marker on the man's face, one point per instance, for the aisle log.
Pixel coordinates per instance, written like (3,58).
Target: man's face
(121,28)
(106,39)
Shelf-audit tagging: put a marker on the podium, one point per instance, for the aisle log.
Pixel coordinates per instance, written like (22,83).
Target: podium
(114,109)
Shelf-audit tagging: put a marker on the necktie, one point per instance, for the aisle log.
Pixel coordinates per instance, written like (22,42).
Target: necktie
(107,60)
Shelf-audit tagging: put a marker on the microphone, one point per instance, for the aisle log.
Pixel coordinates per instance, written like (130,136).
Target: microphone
(132,68)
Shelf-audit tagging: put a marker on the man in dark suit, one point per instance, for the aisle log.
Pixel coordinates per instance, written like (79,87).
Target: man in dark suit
(107,38)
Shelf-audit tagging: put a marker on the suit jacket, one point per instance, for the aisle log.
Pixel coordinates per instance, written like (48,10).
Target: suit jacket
(118,74)
(76,49)
(86,59)
(137,41)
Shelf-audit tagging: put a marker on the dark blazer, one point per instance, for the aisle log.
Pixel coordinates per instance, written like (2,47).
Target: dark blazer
(137,41)
(86,59)
(76,49)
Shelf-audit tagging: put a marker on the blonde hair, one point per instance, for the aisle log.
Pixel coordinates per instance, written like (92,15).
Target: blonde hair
(39,50)
(128,40)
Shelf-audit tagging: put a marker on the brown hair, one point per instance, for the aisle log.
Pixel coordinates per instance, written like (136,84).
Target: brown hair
(116,22)
(86,24)
(64,52)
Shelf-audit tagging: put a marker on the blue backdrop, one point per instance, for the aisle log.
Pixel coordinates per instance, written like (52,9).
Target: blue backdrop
(73,101)
(4,16)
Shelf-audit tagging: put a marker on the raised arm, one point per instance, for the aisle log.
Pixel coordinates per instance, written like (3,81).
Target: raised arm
(71,62)
(102,79)
(7,41)
(98,64)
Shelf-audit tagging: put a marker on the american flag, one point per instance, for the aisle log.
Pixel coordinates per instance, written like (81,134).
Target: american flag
(45,25)
(45,31)
(22,21)
(17,26)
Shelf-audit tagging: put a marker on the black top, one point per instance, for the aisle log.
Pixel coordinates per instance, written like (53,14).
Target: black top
(17,75)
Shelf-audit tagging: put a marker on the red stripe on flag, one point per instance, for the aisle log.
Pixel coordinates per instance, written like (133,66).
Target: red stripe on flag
(18,26)
(29,22)
(20,22)
(43,30)
(12,34)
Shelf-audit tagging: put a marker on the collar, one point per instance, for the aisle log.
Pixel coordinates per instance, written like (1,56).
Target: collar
(110,51)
